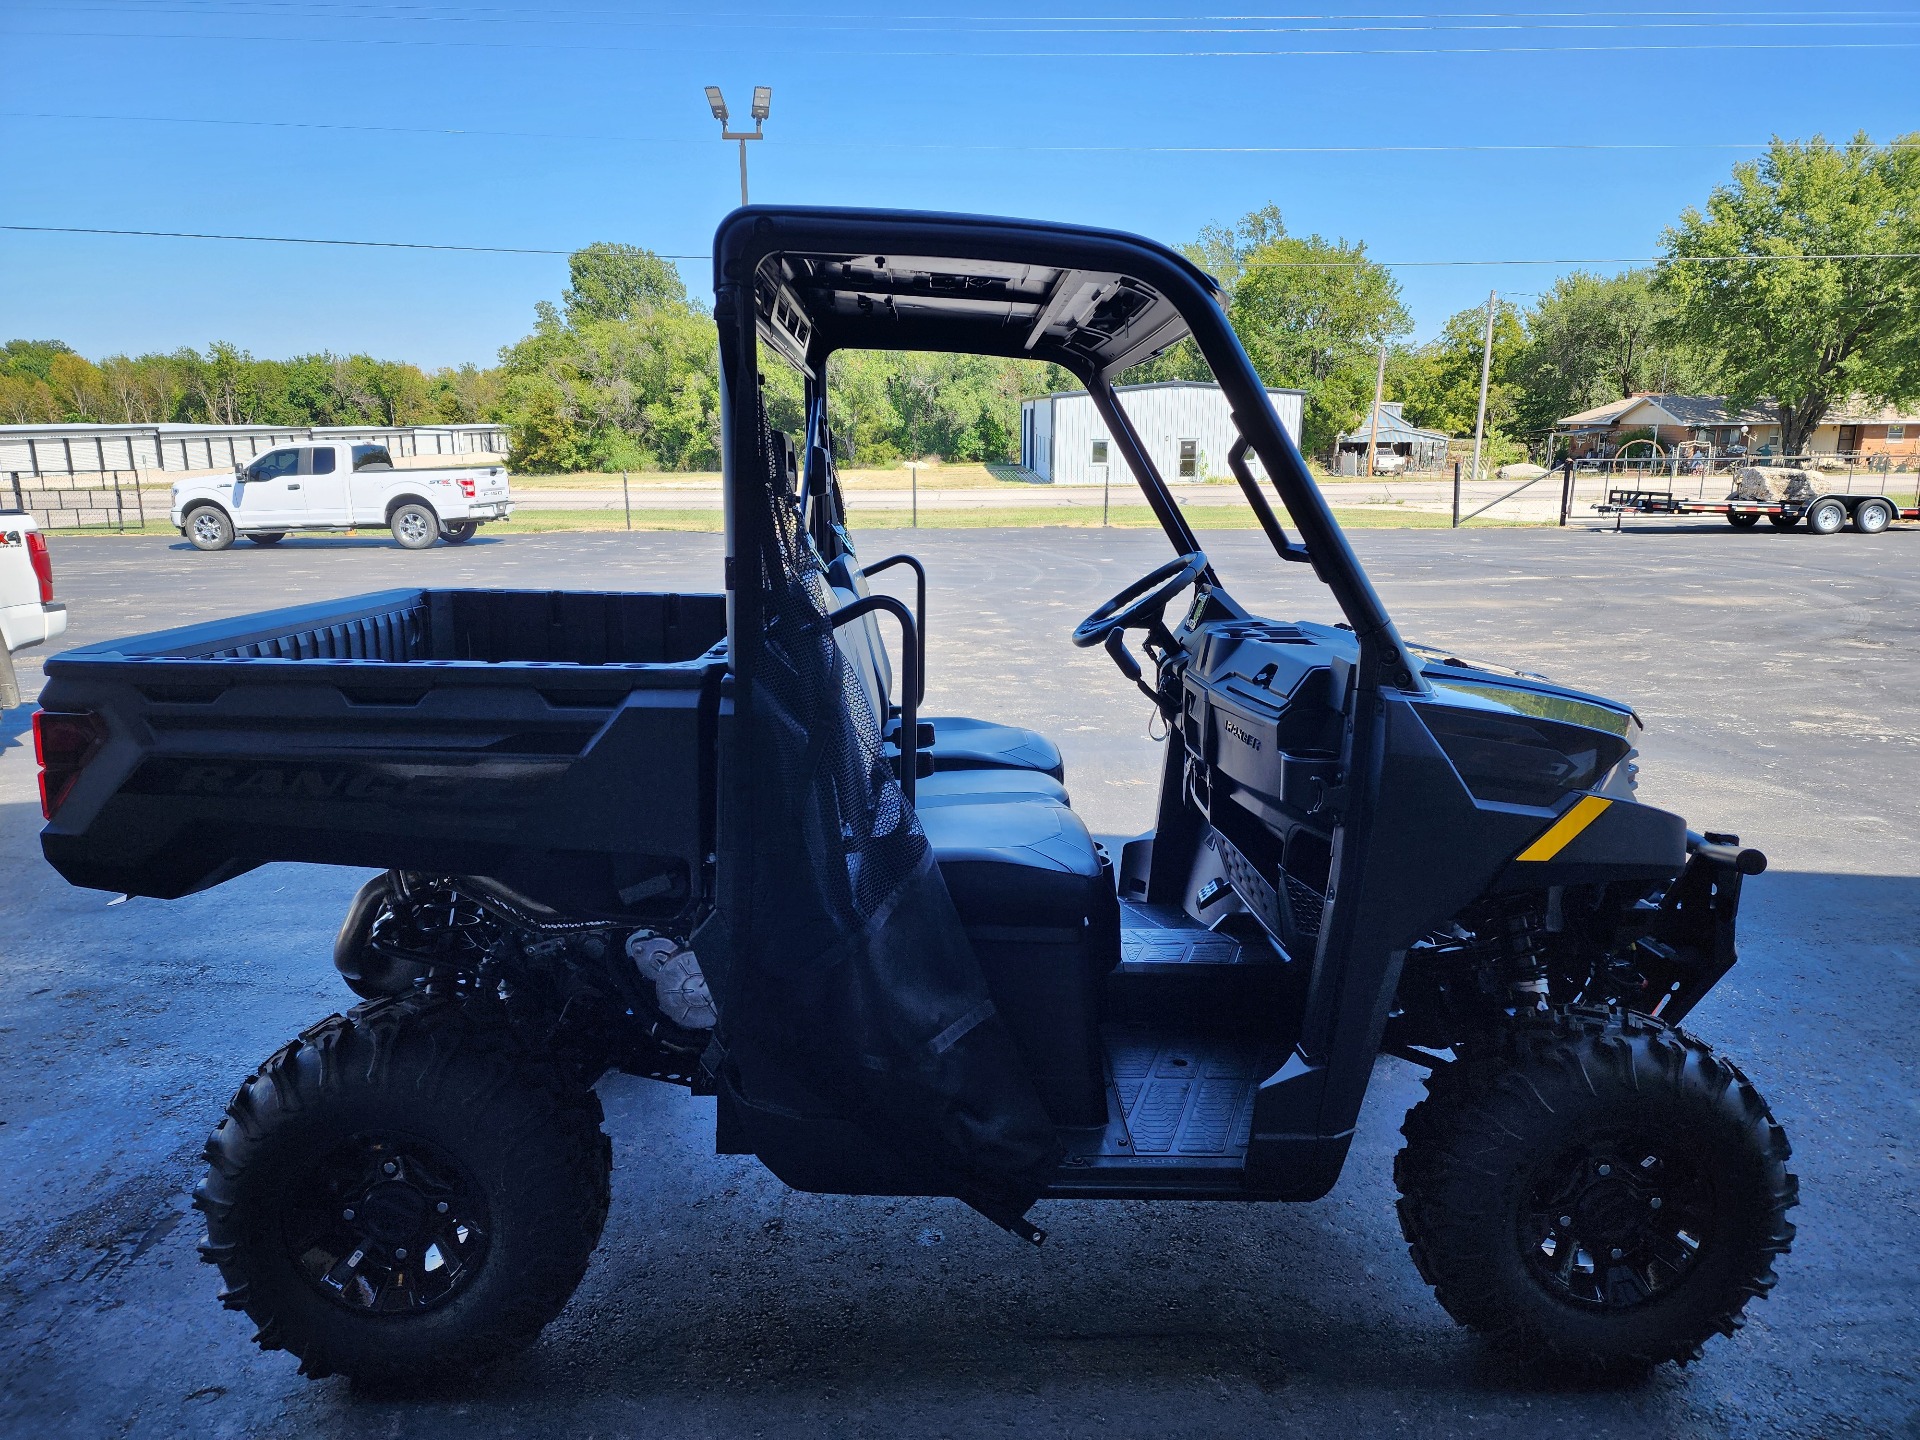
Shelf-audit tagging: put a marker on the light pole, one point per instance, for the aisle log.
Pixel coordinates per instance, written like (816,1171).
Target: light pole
(762,104)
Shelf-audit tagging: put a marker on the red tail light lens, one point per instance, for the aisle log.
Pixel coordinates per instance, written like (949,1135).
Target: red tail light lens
(467,488)
(42,560)
(63,744)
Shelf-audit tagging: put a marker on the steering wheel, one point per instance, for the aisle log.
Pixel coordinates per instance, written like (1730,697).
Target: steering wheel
(1142,601)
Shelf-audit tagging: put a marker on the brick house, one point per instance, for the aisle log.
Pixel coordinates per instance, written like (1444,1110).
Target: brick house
(1672,420)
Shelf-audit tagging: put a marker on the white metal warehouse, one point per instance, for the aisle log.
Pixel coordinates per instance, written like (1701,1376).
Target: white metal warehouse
(32,451)
(1185,425)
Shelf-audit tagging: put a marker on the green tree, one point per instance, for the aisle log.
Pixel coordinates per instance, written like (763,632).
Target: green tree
(1805,333)
(1311,313)
(1592,339)
(619,282)
(1439,382)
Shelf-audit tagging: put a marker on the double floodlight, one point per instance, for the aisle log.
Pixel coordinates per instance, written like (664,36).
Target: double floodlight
(762,103)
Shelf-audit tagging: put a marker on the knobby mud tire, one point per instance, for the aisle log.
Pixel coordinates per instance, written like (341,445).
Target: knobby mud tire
(1480,1137)
(438,1068)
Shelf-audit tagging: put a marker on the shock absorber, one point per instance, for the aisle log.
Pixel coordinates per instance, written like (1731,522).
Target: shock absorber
(1511,933)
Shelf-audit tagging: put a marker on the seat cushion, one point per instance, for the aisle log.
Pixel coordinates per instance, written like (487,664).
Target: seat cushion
(986,787)
(1019,864)
(963,744)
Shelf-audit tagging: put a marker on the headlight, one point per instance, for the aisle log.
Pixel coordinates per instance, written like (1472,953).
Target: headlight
(1521,759)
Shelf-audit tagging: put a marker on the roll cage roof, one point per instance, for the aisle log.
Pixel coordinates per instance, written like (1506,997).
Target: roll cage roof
(809,281)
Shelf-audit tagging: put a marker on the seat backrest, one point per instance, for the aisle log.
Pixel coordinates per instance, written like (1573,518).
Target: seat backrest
(863,641)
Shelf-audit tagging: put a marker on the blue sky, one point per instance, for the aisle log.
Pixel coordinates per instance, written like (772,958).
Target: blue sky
(584,121)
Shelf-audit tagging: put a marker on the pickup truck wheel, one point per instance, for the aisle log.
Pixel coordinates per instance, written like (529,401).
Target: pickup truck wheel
(208,528)
(267,537)
(1826,517)
(1743,519)
(404,1192)
(1870,517)
(414,526)
(1598,1190)
(461,533)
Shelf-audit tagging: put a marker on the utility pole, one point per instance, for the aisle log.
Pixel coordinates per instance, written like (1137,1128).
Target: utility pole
(762,107)
(1379,388)
(1486,370)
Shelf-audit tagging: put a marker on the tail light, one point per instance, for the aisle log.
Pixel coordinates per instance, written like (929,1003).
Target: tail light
(63,744)
(42,560)
(467,488)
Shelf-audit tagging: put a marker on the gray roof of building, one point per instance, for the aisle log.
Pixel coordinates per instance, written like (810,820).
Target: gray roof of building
(1394,426)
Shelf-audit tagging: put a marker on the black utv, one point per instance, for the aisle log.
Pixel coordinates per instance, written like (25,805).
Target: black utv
(710,839)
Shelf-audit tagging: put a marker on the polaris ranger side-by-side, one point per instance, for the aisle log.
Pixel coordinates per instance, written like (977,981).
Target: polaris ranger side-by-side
(710,839)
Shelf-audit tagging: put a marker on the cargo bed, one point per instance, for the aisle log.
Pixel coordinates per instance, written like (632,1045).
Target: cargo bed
(560,742)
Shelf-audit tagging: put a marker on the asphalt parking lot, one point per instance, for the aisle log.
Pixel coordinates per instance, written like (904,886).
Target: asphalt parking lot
(1779,678)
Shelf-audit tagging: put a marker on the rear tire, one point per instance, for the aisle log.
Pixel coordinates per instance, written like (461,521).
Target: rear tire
(208,528)
(267,537)
(461,533)
(1743,519)
(404,1193)
(1827,517)
(1603,1192)
(1783,522)
(1870,517)
(414,526)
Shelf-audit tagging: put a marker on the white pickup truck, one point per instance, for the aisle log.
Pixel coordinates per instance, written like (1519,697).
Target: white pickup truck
(29,615)
(338,485)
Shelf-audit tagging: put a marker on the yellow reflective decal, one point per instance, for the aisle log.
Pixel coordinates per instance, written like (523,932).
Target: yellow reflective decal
(1560,834)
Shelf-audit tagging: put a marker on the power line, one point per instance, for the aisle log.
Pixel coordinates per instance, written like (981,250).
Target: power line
(868,52)
(1252,264)
(862,144)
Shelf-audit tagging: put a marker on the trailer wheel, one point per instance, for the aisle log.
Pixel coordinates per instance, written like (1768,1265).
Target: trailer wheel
(1783,522)
(1826,517)
(461,533)
(404,1192)
(267,537)
(208,528)
(414,526)
(1870,517)
(1598,1190)
(1743,519)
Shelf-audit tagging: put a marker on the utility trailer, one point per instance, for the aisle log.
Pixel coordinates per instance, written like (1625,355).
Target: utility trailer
(1825,514)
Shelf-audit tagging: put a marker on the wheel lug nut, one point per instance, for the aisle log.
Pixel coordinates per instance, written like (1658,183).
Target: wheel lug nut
(1617,1252)
(401,1253)
(346,1214)
(1654,1202)
(392,1169)
(1606,1170)
(1566,1220)
(441,1208)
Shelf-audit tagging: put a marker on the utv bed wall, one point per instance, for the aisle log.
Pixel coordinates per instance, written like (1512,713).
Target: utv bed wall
(558,741)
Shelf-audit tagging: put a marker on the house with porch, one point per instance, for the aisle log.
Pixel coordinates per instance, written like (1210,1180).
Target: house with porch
(1852,430)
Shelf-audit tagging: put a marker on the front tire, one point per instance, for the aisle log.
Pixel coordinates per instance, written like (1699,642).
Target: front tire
(1826,517)
(1602,1192)
(414,526)
(404,1193)
(208,528)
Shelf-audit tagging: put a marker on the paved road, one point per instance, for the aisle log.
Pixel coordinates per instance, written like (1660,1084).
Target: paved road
(1779,681)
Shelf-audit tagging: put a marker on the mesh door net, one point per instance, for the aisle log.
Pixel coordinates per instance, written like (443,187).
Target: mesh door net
(853,991)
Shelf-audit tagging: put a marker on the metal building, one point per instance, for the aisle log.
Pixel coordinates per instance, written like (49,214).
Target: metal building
(32,451)
(1185,425)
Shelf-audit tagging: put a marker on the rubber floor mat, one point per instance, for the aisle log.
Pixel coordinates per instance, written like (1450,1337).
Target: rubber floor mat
(1183,1096)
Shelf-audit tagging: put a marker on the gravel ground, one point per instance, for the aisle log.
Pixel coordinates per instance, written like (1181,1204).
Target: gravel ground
(1779,681)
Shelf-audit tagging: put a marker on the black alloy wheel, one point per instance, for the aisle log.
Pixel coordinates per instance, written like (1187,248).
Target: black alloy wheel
(1616,1221)
(385,1224)
(1596,1190)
